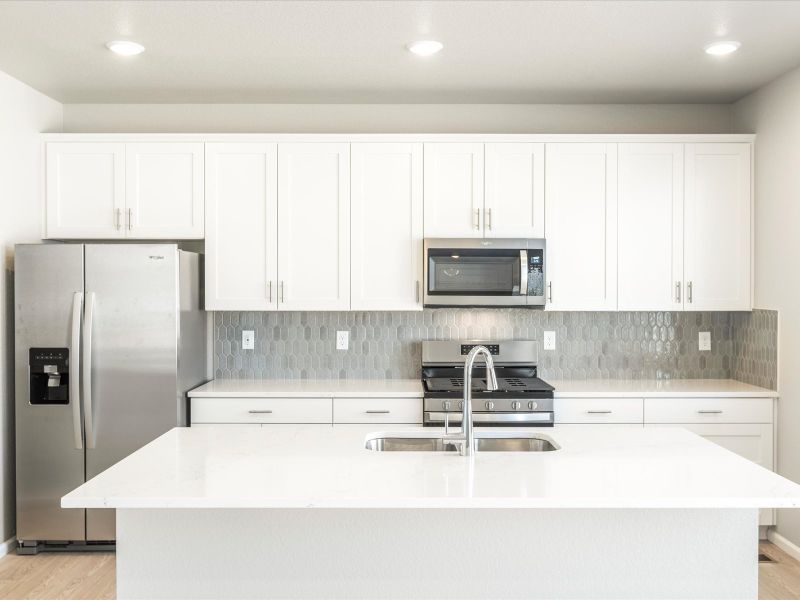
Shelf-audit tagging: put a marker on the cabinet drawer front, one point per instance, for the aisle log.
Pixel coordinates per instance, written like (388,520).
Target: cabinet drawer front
(377,410)
(262,410)
(708,410)
(598,410)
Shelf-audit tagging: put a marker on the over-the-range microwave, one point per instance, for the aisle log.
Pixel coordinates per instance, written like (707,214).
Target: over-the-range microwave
(484,272)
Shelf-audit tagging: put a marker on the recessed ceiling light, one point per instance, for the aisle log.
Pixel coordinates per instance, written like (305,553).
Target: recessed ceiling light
(722,48)
(125,47)
(425,47)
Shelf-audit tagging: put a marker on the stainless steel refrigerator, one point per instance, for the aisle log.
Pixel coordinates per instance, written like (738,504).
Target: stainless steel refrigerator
(109,338)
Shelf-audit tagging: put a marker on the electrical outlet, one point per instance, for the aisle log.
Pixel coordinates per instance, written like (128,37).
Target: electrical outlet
(248,339)
(549,340)
(704,342)
(342,340)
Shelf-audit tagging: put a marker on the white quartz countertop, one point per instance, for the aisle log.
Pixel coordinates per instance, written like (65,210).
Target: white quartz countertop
(318,467)
(306,388)
(388,388)
(654,388)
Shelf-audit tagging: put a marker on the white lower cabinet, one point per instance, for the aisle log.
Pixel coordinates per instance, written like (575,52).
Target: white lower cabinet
(377,410)
(599,410)
(262,410)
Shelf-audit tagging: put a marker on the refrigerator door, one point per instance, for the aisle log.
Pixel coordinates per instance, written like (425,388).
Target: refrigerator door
(48,290)
(130,398)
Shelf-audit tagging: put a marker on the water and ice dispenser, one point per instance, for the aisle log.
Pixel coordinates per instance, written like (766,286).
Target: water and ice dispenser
(49,375)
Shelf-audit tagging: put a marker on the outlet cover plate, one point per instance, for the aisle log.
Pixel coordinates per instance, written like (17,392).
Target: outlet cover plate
(549,340)
(342,340)
(704,341)
(248,339)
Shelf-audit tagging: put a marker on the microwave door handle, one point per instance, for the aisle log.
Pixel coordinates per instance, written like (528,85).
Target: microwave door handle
(523,272)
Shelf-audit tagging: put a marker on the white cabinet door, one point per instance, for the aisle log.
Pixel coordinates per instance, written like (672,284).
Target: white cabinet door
(241,226)
(314,226)
(650,247)
(514,202)
(718,244)
(164,190)
(752,441)
(386,226)
(581,226)
(453,190)
(85,190)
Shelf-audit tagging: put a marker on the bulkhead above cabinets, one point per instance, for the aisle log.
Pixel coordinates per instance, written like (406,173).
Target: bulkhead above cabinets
(336,222)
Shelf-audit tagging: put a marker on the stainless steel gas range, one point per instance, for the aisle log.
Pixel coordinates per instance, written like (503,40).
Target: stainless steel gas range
(521,399)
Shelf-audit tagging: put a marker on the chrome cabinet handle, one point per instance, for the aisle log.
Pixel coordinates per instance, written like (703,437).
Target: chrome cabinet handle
(377,412)
(476,219)
(488,218)
(269,291)
(709,412)
(678,292)
(118,218)
(260,412)
(283,298)
(75,359)
(130,219)
(86,373)
(689,292)
(550,291)
(598,412)
(417,291)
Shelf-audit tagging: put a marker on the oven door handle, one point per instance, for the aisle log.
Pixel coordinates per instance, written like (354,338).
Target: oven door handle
(539,417)
(523,272)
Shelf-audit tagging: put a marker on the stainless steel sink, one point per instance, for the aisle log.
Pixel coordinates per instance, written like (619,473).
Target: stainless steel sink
(482,444)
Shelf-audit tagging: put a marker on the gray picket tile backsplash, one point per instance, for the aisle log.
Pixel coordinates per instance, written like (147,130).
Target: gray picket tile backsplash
(636,345)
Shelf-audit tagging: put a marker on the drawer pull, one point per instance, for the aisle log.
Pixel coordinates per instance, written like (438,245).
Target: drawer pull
(709,412)
(377,412)
(260,412)
(598,412)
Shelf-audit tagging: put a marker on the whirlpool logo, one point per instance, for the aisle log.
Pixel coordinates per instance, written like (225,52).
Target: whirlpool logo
(156,257)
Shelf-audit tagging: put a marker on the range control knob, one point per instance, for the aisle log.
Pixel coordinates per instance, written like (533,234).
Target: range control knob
(489,405)
(532,405)
(446,405)
(516,405)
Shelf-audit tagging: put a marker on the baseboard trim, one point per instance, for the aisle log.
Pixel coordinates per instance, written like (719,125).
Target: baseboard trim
(8,546)
(784,544)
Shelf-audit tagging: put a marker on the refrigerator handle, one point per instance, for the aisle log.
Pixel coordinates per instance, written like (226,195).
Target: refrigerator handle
(86,374)
(75,367)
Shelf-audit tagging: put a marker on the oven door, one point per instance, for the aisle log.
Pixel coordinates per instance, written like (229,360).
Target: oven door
(482,273)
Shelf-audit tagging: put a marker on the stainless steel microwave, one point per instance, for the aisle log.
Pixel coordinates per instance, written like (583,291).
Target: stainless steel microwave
(484,272)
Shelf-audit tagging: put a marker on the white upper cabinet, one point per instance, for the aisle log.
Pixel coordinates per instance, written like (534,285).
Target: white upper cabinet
(514,198)
(386,226)
(453,190)
(85,190)
(314,226)
(241,226)
(717,227)
(650,246)
(581,226)
(115,190)
(164,190)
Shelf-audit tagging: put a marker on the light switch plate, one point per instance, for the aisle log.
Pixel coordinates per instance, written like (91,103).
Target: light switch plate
(549,340)
(248,339)
(704,340)
(342,340)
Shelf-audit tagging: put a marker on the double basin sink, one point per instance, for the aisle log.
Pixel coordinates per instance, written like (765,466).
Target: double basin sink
(483,443)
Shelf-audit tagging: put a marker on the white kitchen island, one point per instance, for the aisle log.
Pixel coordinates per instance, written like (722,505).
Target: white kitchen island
(308,512)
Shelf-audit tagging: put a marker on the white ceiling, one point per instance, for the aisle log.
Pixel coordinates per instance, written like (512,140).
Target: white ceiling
(353,51)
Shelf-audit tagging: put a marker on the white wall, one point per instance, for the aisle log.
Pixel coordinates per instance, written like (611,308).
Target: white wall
(398,118)
(773,112)
(24,113)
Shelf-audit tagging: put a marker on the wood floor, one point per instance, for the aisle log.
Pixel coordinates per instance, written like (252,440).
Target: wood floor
(91,576)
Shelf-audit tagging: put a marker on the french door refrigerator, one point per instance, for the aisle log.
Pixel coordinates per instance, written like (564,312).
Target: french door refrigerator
(109,338)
